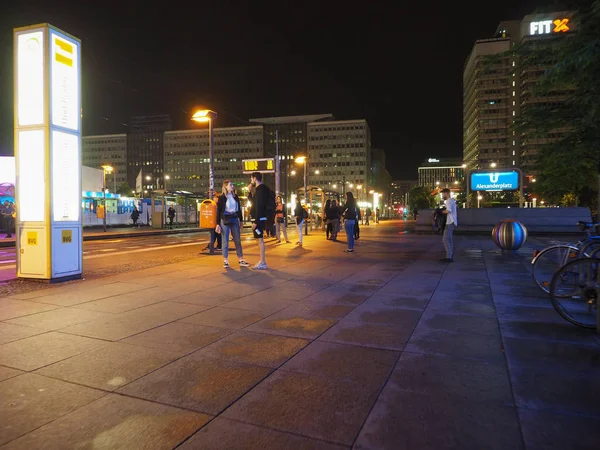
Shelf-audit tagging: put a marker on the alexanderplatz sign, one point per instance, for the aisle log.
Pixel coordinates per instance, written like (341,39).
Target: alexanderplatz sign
(47,74)
(484,180)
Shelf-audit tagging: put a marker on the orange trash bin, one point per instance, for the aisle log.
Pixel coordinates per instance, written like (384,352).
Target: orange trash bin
(208,214)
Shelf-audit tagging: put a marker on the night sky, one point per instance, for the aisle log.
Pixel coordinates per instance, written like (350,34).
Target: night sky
(400,67)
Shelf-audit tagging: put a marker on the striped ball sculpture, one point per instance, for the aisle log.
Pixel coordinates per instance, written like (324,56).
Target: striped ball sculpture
(509,234)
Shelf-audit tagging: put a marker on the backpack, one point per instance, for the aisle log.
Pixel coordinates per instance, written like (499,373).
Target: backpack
(271,204)
(304,213)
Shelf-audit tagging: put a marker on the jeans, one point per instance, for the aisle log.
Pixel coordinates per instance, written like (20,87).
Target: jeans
(278,228)
(447,240)
(349,227)
(214,236)
(299,230)
(235,233)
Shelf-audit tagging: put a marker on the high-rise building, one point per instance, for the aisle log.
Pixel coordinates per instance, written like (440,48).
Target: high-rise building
(287,135)
(497,87)
(339,154)
(400,190)
(108,149)
(441,173)
(187,159)
(145,149)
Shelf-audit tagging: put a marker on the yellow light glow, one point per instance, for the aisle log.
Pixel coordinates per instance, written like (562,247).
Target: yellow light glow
(204,115)
(301,159)
(371,191)
(359,186)
(107,168)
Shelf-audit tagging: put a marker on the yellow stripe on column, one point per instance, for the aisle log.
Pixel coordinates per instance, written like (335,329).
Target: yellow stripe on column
(63,59)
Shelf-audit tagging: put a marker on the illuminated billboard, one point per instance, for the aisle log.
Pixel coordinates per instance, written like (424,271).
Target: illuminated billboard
(64,82)
(30,78)
(494,181)
(262,165)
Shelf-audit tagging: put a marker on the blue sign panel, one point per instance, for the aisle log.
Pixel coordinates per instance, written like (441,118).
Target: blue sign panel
(494,181)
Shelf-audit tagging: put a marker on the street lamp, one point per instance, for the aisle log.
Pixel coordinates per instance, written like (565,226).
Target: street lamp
(206,115)
(493,164)
(479,197)
(304,160)
(105,169)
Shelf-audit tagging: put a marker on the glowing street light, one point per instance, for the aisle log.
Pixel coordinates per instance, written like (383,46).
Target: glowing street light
(493,164)
(206,115)
(105,169)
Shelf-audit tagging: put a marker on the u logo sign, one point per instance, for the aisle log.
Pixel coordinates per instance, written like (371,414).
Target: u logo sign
(494,177)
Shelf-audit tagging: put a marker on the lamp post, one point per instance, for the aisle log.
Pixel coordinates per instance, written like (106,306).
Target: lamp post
(479,197)
(105,169)
(206,115)
(304,160)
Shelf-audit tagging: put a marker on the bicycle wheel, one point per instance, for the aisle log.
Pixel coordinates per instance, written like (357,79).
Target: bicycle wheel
(548,261)
(574,291)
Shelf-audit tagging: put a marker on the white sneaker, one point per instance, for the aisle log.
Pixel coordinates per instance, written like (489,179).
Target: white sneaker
(244,263)
(226,264)
(260,266)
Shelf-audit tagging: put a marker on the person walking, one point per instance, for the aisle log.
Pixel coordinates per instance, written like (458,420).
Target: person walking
(328,222)
(300,215)
(451,223)
(350,216)
(367,216)
(280,220)
(8,214)
(335,220)
(171,215)
(259,216)
(229,218)
(135,215)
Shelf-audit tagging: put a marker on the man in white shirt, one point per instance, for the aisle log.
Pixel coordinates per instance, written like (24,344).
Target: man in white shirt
(451,223)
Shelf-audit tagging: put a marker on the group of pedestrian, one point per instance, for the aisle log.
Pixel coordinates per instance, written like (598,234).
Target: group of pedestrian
(349,213)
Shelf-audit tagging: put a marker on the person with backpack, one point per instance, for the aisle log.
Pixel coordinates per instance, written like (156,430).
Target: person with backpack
(350,216)
(300,214)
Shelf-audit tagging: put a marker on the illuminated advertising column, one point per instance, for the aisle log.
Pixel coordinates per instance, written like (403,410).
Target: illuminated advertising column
(47,65)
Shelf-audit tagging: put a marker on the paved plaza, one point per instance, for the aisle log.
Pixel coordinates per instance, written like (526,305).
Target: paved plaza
(385,348)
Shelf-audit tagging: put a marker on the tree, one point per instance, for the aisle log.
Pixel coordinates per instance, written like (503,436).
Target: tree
(568,166)
(421,198)
(125,190)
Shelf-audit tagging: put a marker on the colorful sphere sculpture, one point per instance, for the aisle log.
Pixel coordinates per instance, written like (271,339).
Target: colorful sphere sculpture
(509,234)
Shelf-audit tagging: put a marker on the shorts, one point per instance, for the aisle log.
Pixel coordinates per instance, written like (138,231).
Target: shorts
(259,231)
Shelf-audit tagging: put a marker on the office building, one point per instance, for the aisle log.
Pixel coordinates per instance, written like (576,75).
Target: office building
(497,87)
(400,191)
(145,149)
(441,173)
(108,149)
(187,159)
(339,154)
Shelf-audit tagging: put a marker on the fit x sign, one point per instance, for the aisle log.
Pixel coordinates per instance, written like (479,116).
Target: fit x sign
(549,26)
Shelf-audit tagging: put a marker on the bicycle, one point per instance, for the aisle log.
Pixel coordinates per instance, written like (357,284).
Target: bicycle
(574,292)
(549,260)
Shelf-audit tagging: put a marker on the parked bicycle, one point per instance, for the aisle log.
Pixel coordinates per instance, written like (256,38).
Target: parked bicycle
(549,260)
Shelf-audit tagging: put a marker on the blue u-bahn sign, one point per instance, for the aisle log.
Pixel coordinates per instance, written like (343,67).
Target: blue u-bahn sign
(494,181)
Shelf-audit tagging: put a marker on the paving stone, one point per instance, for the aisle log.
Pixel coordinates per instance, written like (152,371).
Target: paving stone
(11,308)
(255,348)
(559,331)
(519,313)
(69,296)
(474,346)
(462,295)
(259,303)
(123,303)
(166,310)
(115,421)
(380,335)
(110,366)
(500,299)
(43,349)
(225,433)
(453,379)
(309,405)
(30,401)
(546,431)
(225,318)
(336,296)
(58,318)
(7,372)
(198,383)
(178,337)
(376,312)
(557,391)
(367,366)
(452,306)
(460,323)
(403,420)
(552,355)
(399,300)
(10,332)
(116,327)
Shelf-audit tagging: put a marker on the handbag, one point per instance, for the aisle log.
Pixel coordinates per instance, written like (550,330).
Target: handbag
(230,219)
(280,220)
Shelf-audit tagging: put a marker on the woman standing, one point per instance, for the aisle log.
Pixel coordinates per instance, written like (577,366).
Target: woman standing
(280,220)
(328,223)
(299,214)
(229,217)
(350,216)
(335,220)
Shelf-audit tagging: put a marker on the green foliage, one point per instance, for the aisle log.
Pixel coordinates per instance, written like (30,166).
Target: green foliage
(125,190)
(421,197)
(568,166)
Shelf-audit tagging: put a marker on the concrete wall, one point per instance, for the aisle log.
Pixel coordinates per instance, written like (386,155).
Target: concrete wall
(536,220)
